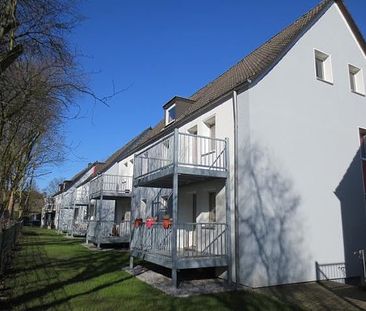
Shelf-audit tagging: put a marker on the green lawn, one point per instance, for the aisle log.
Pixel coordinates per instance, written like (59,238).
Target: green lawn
(52,272)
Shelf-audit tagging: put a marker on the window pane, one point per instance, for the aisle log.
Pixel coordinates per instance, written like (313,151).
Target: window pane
(319,68)
(212,206)
(171,113)
(352,80)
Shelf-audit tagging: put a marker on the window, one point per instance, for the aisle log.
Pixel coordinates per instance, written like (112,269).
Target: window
(143,204)
(211,125)
(356,80)
(362,143)
(126,164)
(212,206)
(170,115)
(193,130)
(194,207)
(76,213)
(91,210)
(362,135)
(192,145)
(164,205)
(323,67)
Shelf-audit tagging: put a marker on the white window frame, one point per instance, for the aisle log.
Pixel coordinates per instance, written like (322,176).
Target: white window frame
(167,121)
(358,85)
(326,62)
(210,123)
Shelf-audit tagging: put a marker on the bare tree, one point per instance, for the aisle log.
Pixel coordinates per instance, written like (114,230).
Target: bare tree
(38,86)
(53,186)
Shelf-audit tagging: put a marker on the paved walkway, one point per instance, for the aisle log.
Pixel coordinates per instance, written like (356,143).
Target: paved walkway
(320,296)
(186,289)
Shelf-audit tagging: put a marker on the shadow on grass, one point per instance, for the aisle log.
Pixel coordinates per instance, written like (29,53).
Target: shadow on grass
(69,297)
(41,263)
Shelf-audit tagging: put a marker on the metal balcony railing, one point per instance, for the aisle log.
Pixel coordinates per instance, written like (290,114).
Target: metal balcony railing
(113,184)
(102,229)
(193,151)
(193,239)
(81,195)
(67,200)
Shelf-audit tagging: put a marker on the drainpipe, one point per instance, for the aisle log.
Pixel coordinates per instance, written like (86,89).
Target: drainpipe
(236,185)
(236,212)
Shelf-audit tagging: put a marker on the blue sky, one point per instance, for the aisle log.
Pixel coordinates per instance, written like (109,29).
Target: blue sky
(154,50)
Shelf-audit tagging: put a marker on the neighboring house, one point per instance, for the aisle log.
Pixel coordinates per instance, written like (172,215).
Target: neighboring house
(110,194)
(70,209)
(260,170)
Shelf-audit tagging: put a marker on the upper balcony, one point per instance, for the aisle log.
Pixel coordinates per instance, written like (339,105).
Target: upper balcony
(81,195)
(67,200)
(193,157)
(110,186)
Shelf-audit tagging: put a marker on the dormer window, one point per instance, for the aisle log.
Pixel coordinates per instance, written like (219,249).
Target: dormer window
(170,115)
(175,107)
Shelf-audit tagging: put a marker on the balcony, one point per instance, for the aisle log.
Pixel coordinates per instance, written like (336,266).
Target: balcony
(194,158)
(110,187)
(198,245)
(108,232)
(81,196)
(79,228)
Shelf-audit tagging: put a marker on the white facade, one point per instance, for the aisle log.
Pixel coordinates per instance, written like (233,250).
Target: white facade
(301,197)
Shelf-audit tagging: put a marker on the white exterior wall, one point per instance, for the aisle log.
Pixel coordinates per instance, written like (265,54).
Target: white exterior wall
(125,166)
(300,192)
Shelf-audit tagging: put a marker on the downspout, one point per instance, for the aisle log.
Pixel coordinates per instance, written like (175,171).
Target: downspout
(236,186)
(236,212)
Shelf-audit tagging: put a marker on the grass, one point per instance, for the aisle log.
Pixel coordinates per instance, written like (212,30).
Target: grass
(51,272)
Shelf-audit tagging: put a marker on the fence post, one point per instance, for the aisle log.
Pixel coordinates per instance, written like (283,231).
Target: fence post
(363,277)
(317,272)
(1,250)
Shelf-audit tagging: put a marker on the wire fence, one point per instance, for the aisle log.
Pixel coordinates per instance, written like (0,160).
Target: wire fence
(8,238)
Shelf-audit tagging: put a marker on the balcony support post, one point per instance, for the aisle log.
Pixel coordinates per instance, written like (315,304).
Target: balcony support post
(228,215)
(73,219)
(99,224)
(131,262)
(87,227)
(175,210)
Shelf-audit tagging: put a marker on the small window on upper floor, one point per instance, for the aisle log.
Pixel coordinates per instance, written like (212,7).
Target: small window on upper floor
(356,80)
(143,204)
(170,115)
(211,125)
(323,67)
(126,164)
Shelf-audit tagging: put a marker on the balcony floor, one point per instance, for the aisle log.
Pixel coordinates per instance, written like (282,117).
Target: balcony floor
(111,239)
(110,195)
(163,178)
(164,259)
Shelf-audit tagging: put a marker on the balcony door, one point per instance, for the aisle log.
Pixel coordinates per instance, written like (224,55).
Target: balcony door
(192,147)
